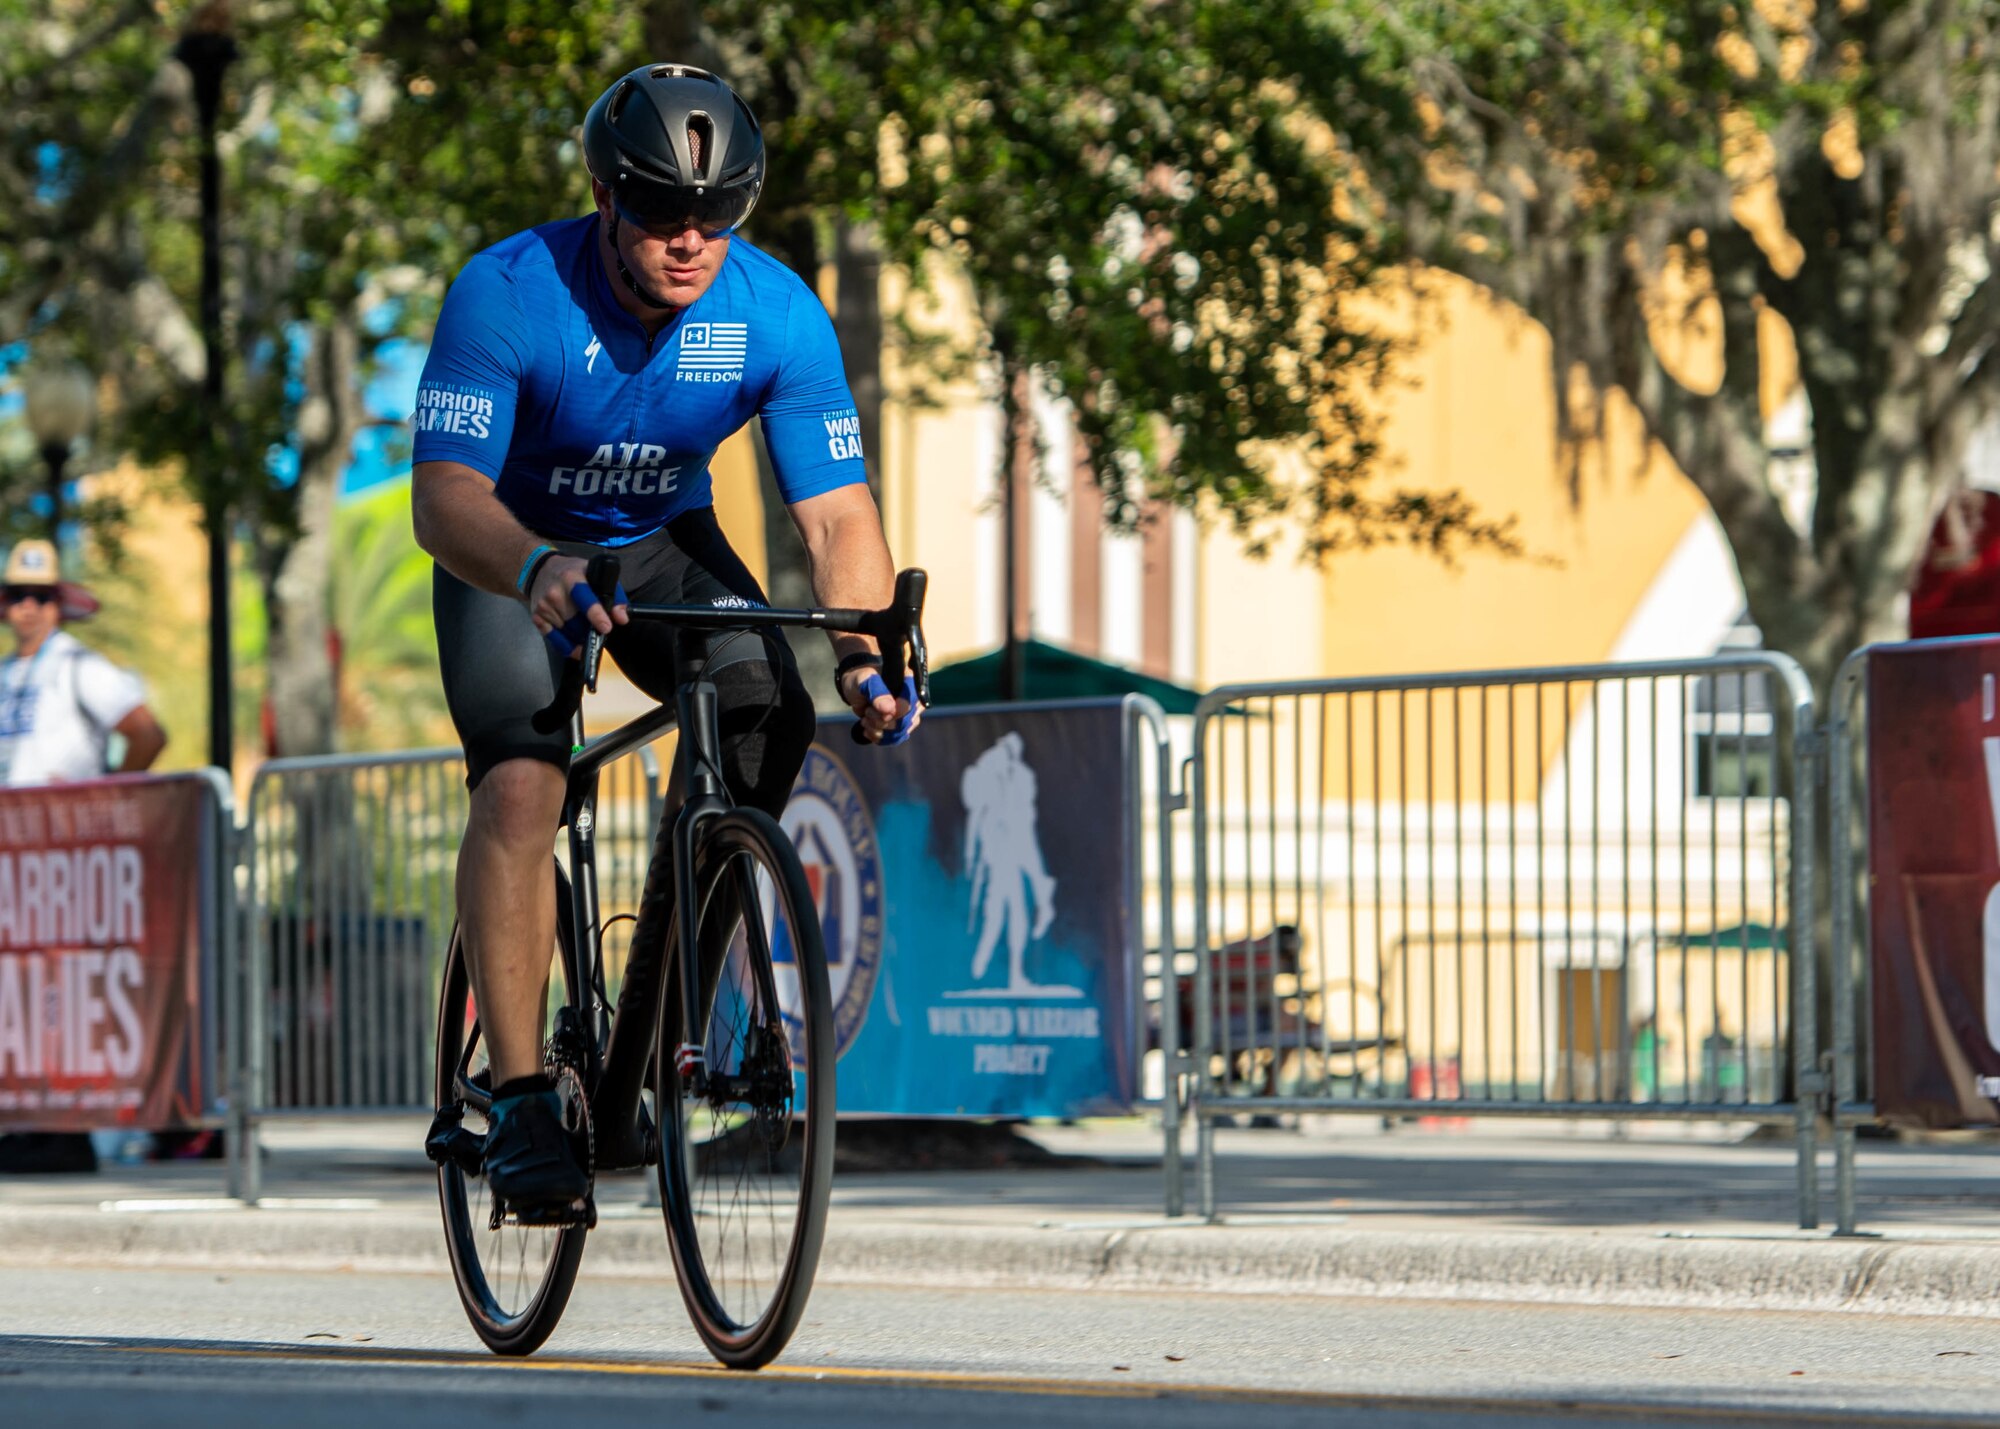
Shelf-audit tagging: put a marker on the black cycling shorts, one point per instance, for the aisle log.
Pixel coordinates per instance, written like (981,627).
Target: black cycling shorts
(498,670)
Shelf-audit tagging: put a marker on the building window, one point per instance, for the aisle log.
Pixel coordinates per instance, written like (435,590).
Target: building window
(1732,733)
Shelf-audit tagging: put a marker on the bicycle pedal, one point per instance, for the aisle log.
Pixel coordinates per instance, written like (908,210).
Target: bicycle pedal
(452,1144)
(577,1214)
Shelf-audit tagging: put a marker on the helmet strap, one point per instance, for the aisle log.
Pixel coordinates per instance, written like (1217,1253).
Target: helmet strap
(626,273)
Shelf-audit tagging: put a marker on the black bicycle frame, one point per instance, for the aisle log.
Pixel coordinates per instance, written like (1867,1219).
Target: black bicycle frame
(618,1042)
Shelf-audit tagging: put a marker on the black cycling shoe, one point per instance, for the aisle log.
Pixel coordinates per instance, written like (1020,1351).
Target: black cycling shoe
(531,1159)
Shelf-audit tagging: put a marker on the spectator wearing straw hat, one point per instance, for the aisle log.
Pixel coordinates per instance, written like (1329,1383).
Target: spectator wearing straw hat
(60,703)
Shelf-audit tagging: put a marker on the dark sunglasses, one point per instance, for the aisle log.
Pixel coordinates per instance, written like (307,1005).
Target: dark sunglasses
(668,212)
(42,595)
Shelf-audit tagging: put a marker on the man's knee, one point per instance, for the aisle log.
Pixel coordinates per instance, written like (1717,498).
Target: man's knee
(518,800)
(766,721)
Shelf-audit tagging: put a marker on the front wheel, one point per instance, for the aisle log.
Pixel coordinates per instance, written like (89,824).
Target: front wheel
(747,1163)
(513,1279)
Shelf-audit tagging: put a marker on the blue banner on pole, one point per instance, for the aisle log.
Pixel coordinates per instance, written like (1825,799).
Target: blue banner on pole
(973,891)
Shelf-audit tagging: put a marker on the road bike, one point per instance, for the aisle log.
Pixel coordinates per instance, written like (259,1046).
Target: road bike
(716,1066)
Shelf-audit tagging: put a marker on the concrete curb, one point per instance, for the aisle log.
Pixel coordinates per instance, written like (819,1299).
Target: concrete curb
(1611,1268)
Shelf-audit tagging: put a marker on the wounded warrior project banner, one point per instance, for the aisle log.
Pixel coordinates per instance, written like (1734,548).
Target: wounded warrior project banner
(100,967)
(972,890)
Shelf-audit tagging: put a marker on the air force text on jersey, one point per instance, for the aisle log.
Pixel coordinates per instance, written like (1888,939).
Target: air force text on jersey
(618,469)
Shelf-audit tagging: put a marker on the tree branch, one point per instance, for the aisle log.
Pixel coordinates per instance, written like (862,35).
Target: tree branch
(1708,438)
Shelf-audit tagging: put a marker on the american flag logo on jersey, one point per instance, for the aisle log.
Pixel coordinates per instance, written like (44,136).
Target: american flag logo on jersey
(714,352)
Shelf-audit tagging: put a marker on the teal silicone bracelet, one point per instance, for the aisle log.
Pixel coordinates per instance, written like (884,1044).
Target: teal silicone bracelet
(527,566)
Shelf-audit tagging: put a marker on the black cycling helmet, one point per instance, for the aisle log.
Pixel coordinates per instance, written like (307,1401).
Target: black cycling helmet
(674,142)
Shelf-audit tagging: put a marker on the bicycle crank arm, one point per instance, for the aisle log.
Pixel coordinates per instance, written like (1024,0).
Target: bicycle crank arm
(451,1143)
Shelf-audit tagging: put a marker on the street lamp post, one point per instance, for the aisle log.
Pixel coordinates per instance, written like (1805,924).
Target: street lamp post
(61,405)
(207,50)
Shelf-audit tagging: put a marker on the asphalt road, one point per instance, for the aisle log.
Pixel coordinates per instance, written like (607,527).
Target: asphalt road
(222,1349)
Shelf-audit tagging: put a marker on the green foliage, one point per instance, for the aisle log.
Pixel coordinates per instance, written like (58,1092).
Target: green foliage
(368,148)
(1141,196)
(1149,211)
(391,695)
(1835,164)
(1148,200)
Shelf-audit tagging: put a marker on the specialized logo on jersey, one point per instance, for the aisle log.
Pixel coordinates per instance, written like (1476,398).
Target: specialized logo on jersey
(843,434)
(448,407)
(596,346)
(714,352)
(835,837)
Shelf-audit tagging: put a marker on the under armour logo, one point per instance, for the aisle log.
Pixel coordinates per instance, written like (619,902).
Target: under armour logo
(591,352)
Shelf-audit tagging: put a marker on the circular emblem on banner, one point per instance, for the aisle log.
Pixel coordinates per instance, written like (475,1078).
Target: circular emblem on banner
(829,824)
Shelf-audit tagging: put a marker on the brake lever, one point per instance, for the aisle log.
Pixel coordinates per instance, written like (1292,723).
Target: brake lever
(580,674)
(920,665)
(908,604)
(602,576)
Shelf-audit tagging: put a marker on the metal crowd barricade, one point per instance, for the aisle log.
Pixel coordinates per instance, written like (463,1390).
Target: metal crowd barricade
(220,983)
(1151,896)
(1578,891)
(1847,842)
(346,890)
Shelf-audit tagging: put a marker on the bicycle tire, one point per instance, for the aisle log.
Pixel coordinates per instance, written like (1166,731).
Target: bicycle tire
(515,1311)
(746,1312)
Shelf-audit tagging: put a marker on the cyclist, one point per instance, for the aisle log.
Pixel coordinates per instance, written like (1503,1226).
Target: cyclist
(582,375)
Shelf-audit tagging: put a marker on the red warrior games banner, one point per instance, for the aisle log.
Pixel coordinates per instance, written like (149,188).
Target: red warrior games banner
(1934,866)
(100,953)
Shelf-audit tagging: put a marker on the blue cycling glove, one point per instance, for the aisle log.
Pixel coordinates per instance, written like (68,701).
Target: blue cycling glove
(569,637)
(874,687)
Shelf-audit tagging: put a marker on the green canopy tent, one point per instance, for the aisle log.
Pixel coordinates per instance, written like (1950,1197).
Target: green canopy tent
(1053,673)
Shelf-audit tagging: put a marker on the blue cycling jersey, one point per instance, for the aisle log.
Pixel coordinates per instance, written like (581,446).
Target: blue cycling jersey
(591,430)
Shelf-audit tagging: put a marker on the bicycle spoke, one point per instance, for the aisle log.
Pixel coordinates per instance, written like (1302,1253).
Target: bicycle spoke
(512,1278)
(748,1172)
(745,1196)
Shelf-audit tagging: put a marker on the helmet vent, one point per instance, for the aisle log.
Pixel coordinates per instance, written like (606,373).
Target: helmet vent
(701,139)
(617,106)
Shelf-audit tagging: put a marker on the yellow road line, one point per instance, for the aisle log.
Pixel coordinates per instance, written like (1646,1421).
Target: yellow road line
(987,1383)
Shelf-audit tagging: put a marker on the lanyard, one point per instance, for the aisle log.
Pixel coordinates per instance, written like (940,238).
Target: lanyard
(20,698)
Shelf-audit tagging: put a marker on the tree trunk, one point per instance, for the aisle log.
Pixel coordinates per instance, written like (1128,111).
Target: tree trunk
(675,34)
(305,698)
(857,322)
(788,582)
(788,579)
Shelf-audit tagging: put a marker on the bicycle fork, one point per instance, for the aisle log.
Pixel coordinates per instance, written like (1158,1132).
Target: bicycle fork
(700,758)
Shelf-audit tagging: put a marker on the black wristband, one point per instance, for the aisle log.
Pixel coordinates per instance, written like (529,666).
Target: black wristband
(535,569)
(855,661)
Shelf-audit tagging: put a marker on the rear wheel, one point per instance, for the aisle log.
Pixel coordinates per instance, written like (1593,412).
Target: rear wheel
(747,1161)
(514,1280)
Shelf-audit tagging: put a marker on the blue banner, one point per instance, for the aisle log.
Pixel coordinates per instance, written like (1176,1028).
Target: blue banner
(973,890)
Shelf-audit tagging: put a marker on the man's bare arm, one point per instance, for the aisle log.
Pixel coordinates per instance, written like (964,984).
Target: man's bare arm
(846,555)
(463,526)
(850,566)
(144,739)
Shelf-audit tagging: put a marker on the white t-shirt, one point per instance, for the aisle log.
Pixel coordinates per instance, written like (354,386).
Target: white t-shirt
(57,710)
